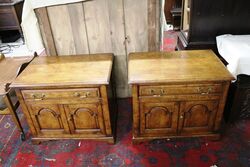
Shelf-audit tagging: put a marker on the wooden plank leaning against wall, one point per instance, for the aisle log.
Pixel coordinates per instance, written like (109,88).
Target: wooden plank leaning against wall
(102,26)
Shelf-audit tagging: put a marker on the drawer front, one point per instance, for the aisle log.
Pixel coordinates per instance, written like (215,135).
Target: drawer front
(165,90)
(61,93)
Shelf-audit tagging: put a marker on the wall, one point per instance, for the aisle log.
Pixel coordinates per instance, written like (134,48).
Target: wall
(97,26)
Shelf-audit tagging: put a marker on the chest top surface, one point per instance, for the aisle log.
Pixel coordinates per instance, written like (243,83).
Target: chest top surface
(66,70)
(178,66)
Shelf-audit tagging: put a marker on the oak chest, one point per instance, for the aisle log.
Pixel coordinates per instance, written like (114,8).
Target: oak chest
(67,97)
(177,94)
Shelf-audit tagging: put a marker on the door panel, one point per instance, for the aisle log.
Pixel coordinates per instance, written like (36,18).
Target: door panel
(48,119)
(85,118)
(158,118)
(197,117)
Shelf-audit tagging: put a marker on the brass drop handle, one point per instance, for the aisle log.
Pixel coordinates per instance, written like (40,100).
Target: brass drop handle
(200,90)
(38,96)
(152,92)
(77,94)
(209,90)
(162,92)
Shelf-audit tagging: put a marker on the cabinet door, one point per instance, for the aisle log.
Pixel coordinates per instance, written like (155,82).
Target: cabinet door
(158,118)
(197,117)
(48,119)
(85,118)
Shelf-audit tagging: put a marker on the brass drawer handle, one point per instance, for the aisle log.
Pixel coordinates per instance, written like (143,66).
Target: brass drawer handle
(204,92)
(38,96)
(152,92)
(77,94)
(162,92)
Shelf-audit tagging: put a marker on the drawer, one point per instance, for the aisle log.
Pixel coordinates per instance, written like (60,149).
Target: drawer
(164,90)
(61,93)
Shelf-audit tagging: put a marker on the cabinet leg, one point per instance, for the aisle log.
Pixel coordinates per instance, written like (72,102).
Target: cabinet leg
(136,141)
(35,142)
(22,136)
(214,138)
(111,141)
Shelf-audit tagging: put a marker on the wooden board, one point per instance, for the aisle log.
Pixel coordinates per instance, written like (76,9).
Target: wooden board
(66,70)
(136,25)
(152,43)
(64,43)
(118,46)
(45,29)
(76,15)
(98,26)
(175,67)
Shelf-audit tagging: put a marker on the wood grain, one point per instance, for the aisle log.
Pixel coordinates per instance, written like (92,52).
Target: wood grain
(102,26)
(181,66)
(98,26)
(136,25)
(46,32)
(77,23)
(116,15)
(66,70)
(64,43)
(152,24)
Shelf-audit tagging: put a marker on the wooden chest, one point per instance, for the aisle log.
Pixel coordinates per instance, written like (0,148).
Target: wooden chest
(67,97)
(177,94)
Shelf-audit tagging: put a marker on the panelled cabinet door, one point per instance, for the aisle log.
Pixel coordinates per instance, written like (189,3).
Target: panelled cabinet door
(48,119)
(197,117)
(85,118)
(158,118)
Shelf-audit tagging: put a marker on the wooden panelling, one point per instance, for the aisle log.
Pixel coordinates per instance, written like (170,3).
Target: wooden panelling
(153,18)
(118,47)
(77,21)
(136,25)
(100,26)
(61,29)
(44,23)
